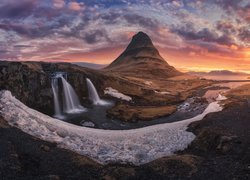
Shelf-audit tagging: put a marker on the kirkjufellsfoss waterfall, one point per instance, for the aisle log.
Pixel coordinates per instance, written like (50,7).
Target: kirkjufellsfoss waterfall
(71,103)
(93,95)
(58,112)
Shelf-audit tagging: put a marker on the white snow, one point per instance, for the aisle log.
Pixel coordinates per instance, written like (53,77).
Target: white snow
(221,98)
(137,146)
(114,93)
(211,95)
(162,92)
(148,82)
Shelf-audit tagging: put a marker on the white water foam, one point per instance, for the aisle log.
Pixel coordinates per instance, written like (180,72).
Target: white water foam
(137,146)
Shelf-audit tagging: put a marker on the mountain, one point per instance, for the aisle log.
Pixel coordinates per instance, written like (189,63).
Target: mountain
(218,73)
(90,65)
(142,59)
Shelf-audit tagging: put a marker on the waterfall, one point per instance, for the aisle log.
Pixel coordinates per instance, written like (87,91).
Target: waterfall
(58,112)
(71,103)
(93,95)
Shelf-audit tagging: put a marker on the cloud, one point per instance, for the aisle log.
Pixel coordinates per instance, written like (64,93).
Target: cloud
(141,21)
(58,3)
(75,6)
(226,27)
(21,46)
(17,9)
(244,34)
(96,36)
(190,33)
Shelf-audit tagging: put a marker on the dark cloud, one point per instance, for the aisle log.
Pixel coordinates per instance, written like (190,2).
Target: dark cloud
(189,33)
(17,9)
(244,34)
(96,36)
(111,17)
(141,21)
(20,46)
(226,27)
(229,29)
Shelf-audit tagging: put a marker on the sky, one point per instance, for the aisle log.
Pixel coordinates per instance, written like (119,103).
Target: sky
(192,35)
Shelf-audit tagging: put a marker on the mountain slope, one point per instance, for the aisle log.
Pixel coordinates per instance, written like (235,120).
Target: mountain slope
(142,59)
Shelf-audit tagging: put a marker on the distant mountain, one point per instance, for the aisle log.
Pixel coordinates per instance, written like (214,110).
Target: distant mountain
(142,59)
(90,65)
(219,73)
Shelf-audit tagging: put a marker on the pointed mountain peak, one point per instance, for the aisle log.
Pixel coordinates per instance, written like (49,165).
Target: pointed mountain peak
(140,59)
(140,47)
(140,40)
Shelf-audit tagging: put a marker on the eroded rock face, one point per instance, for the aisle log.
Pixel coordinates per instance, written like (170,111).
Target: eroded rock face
(28,83)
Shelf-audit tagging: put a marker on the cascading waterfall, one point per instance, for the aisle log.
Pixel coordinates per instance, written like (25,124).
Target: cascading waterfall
(93,95)
(71,103)
(58,112)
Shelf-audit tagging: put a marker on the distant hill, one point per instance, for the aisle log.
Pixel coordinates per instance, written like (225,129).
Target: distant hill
(90,65)
(142,59)
(219,73)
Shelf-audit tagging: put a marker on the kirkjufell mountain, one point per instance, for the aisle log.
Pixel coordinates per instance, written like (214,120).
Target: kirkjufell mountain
(142,59)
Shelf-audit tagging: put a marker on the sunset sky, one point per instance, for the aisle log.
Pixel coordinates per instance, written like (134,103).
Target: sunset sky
(198,35)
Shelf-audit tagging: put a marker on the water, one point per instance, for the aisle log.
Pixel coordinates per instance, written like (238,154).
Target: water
(96,116)
(71,103)
(93,95)
(58,113)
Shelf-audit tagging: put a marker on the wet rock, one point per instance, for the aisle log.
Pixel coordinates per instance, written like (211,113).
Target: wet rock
(45,148)
(225,143)
(87,124)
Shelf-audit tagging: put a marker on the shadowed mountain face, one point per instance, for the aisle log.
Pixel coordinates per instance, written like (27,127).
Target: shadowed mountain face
(142,59)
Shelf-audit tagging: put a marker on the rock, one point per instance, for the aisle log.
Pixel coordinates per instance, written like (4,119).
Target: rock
(87,124)
(45,148)
(135,113)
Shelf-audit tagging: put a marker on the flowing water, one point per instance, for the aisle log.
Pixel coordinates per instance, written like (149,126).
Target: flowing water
(95,116)
(93,95)
(58,112)
(69,99)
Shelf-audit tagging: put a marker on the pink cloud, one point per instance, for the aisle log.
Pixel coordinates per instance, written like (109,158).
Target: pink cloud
(58,4)
(75,6)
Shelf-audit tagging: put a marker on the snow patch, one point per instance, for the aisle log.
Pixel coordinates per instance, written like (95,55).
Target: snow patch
(114,93)
(221,98)
(148,82)
(137,146)
(162,92)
